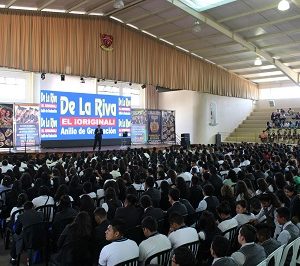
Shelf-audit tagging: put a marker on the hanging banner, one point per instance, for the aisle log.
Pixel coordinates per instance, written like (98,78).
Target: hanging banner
(75,116)
(6,125)
(168,127)
(27,125)
(154,126)
(138,126)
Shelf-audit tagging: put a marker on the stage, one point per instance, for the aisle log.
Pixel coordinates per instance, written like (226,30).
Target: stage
(39,150)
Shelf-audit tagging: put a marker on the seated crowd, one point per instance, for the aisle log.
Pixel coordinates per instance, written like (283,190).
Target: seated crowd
(114,206)
(284,119)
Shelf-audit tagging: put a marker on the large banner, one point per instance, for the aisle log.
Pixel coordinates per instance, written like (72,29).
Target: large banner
(27,125)
(168,127)
(154,126)
(6,125)
(139,126)
(73,116)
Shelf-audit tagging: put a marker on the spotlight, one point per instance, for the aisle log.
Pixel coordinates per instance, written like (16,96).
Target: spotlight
(43,76)
(116,81)
(283,5)
(82,80)
(98,80)
(144,86)
(197,27)
(62,77)
(118,4)
(103,79)
(258,61)
(130,83)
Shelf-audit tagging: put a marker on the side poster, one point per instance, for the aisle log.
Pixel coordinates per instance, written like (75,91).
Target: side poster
(138,126)
(27,125)
(6,125)
(168,127)
(154,126)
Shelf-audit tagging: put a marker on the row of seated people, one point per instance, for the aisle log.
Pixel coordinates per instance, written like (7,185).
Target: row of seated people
(284,119)
(205,177)
(288,136)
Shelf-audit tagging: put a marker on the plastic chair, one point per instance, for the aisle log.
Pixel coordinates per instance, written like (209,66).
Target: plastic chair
(294,245)
(193,246)
(163,258)
(48,212)
(9,229)
(140,193)
(230,234)
(277,254)
(131,262)
(264,263)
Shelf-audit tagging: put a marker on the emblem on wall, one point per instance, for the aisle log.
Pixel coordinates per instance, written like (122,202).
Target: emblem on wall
(106,42)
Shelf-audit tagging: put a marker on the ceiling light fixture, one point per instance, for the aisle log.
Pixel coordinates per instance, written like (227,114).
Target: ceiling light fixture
(258,61)
(62,77)
(283,5)
(196,27)
(118,4)
(43,76)
(82,80)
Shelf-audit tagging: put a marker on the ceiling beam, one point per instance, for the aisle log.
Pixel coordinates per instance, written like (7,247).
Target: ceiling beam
(217,56)
(272,35)
(276,46)
(255,11)
(165,21)
(215,46)
(254,69)
(134,19)
(239,39)
(96,7)
(75,5)
(45,4)
(10,3)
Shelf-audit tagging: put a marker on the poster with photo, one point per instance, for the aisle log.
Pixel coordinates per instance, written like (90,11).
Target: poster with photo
(6,125)
(154,126)
(27,125)
(138,126)
(168,127)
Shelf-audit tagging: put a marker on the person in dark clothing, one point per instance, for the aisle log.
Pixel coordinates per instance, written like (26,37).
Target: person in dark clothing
(219,250)
(149,210)
(98,137)
(183,256)
(177,206)
(196,194)
(164,203)
(152,192)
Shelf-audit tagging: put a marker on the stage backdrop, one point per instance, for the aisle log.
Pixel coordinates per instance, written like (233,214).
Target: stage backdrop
(154,126)
(27,125)
(168,127)
(139,126)
(74,116)
(6,125)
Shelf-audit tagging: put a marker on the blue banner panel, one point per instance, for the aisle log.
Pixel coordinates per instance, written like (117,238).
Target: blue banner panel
(74,116)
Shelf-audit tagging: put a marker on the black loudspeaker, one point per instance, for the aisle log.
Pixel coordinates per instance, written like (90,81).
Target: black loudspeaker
(185,140)
(125,134)
(218,140)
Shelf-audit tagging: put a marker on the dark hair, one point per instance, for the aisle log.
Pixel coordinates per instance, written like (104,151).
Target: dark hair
(174,194)
(131,199)
(262,184)
(284,212)
(224,208)
(232,175)
(64,202)
(248,231)
(208,190)
(184,256)
(28,205)
(176,218)
(62,190)
(290,188)
(87,187)
(110,194)
(44,190)
(101,212)
(150,223)
(263,230)
(241,188)
(22,198)
(220,245)
(146,201)
(82,225)
(149,181)
(118,225)
(242,203)
(87,204)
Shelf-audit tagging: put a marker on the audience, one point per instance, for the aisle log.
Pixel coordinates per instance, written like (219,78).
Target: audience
(183,257)
(219,251)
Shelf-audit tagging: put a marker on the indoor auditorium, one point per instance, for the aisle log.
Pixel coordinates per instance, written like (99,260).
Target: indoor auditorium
(150,132)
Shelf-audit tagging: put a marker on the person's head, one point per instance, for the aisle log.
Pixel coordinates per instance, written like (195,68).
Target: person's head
(146,201)
(224,210)
(130,200)
(241,206)
(208,190)
(263,232)
(247,234)
(262,184)
(219,247)
(87,204)
(283,215)
(174,195)
(64,202)
(149,226)
(176,220)
(44,191)
(227,192)
(183,256)
(28,205)
(22,198)
(115,230)
(82,224)
(100,215)
(149,182)
(87,187)
(289,191)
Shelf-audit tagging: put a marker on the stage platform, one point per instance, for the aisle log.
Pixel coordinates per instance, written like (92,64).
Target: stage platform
(39,150)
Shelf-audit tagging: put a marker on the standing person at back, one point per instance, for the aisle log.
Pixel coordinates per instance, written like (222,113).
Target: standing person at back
(98,137)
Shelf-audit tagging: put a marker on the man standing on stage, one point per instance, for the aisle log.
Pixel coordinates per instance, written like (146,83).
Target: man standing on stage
(98,137)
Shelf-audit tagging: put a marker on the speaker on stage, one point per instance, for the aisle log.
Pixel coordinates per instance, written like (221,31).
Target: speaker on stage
(218,140)
(185,140)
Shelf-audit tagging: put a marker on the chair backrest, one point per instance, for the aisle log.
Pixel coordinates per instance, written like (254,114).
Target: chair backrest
(163,258)
(3,196)
(193,246)
(277,254)
(48,212)
(230,234)
(263,263)
(294,247)
(139,193)
(13,215)
(131,262)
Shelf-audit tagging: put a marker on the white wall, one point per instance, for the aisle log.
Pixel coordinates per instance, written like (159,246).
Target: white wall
(193,113)
(279,103)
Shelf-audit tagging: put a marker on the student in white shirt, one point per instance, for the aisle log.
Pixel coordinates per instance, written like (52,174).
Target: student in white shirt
(120,249)
(227,222)
(243,215)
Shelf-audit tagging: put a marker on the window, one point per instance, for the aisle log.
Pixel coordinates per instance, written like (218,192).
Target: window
(108,90)
(13,90)
(279,93)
